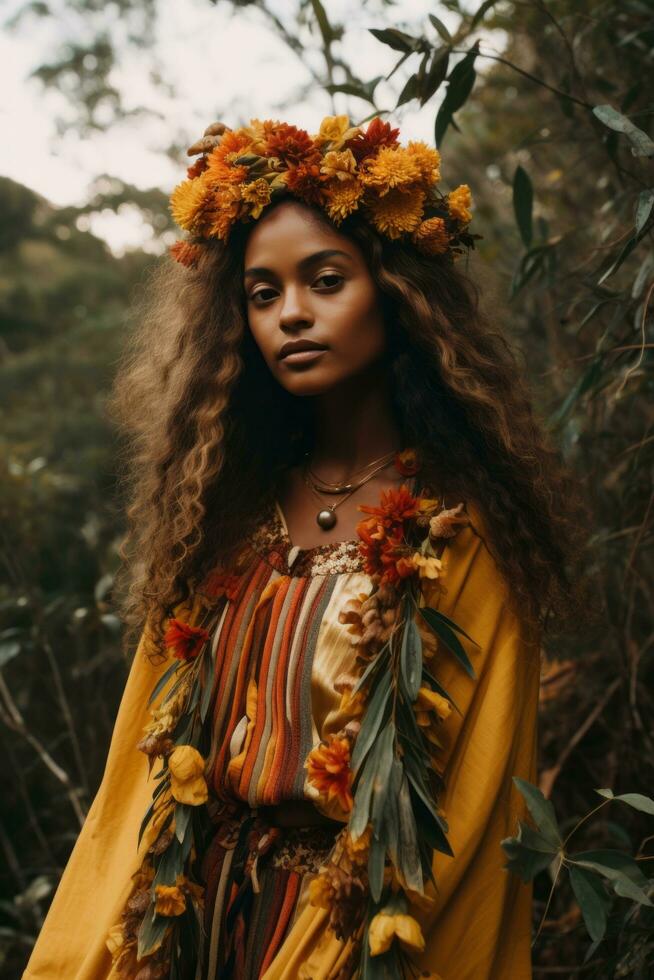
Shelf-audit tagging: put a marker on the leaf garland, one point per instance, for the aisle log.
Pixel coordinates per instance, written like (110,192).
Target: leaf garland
(386,849)
(159,926)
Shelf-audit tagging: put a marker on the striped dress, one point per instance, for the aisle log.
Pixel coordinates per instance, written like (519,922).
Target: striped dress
(279,648)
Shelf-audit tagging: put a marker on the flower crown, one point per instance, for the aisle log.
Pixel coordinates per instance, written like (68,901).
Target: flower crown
(341,169)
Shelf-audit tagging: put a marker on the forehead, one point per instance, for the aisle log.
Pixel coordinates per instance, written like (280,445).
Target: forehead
(290,232)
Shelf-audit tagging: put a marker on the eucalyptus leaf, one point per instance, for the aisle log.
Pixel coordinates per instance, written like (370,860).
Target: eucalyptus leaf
(460,84)
(445,633)
(398,40)
(182,818)
(383,764)
(152,931)
(409,861)
(641,144)
(485,7)
(411,657)
(441,28)
(372,721)
(622,885)
(618,860)
(376,860)
(161,683)
(593,901)
(431,681)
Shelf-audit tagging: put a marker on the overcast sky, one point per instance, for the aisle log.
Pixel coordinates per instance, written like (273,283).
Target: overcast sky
(219,64)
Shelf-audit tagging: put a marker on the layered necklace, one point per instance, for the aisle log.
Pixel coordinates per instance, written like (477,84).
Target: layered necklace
(326,517)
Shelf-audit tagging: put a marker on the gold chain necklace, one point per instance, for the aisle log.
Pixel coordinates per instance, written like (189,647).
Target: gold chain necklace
(325,486)
(326,517)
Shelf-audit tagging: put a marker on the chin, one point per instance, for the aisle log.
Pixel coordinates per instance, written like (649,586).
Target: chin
(309,382)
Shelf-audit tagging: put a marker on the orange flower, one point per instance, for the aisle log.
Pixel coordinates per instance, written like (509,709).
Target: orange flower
(329,770)
(397,505)
(185,252)
(290,144)
(183,640)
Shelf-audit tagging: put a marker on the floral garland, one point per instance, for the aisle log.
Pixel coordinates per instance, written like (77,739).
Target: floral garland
(378,769)
(341,168)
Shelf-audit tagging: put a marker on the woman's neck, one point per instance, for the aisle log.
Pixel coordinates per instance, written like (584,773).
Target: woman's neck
(353,425)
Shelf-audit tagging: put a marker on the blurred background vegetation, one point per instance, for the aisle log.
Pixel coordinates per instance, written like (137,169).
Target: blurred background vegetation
(545,110)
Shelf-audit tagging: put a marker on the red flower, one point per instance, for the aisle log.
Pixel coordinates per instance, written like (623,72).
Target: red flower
(290,144)
(185,252)
(377,135)
(183,640)
(397,505)
(197,167)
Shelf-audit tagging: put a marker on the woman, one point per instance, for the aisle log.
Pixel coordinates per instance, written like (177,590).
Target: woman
(338,702)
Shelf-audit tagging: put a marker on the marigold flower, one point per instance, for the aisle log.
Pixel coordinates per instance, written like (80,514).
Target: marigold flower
(342,198)
(183,640)
(188,200)
(398,211)
(391,167)
(459,202)
(337,130)
(397,505)
(187,782)
(169,900)
(329,770)
(428,160)
(384,928)
(256,194)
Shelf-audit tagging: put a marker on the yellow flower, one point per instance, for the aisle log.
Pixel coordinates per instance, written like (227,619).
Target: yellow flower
(429,700)
(169,900)
(397,211)
(392,167)
(336,130)
(431,237)
(459,202)
(187,782)
(428,566)
(188,201)
(339,163)
(428,160)
(343,197)
(384,928)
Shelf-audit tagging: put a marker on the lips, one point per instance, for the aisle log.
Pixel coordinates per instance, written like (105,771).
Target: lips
(294,346)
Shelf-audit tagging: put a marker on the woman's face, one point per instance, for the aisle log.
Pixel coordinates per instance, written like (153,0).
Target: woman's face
(307,284)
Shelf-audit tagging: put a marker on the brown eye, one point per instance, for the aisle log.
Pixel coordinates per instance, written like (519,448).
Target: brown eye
(330,275)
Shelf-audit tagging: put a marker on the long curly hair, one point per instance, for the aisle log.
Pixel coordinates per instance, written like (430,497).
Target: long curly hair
(209,431)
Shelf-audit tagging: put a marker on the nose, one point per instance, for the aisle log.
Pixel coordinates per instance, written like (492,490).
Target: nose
(294,310)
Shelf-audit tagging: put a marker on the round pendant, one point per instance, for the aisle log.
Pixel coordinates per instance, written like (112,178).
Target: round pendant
(326,519)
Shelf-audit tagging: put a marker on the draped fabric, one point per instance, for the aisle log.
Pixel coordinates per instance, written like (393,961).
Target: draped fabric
(279,648)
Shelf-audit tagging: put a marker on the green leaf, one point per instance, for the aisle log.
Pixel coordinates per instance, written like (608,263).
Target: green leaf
(448,637)
(410,91)
(411,657)
(528,852)
(643,208)
(398,40)
(636,800)
(460,84)
(152,931)
(541,810)
(441,28)
(436,74)
(182,818)
(383,765)
(376,861)
(361,810)
(611,858)
(523,201)
(641,144)
(485,7)
(372,721)
(408,853)
(163,680)
(323,22)
(593,901)
(620,869)
(431,681)
(448,622)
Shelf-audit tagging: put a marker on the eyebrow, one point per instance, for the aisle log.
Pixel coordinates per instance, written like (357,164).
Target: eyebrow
(303,264)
